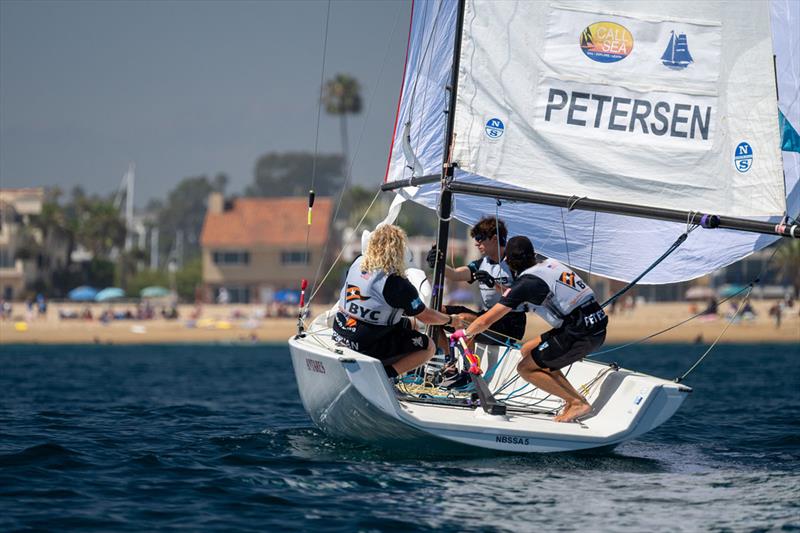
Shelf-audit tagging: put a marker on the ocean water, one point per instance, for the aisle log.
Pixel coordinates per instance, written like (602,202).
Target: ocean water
(214,438)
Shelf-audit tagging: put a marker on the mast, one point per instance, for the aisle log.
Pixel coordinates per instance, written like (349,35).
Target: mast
(446,196)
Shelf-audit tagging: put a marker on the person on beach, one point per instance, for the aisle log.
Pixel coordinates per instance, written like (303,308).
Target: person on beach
(373,300)
(493,276)
(563,300)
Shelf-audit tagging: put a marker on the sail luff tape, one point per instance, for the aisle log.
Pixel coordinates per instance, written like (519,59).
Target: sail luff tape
(310,204)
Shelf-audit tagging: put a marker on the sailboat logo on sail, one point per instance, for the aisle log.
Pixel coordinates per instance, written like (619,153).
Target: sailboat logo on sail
(495,128)
(676,55)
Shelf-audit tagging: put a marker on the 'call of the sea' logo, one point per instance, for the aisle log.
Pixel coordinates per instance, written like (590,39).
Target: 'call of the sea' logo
(606,42)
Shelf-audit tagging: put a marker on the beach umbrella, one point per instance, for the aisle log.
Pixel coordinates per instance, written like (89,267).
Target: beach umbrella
(287,296)
(83,293)
(154,292)
(109,293)
(730,289)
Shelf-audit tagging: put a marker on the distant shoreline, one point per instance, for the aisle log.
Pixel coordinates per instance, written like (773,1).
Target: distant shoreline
(245,324)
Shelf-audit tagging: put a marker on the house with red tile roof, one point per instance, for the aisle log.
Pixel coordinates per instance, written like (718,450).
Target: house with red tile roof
(255,248)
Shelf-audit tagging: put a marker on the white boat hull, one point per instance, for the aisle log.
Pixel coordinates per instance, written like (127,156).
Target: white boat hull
(348,395)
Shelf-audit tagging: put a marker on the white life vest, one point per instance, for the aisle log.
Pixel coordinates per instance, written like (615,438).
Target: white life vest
(567,291)
(362,297)
(501,273)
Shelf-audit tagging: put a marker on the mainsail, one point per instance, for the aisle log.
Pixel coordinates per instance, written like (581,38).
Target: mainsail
(609,123)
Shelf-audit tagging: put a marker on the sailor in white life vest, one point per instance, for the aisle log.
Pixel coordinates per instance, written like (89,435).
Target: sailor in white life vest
(560,297)
(374,299)
(493,276)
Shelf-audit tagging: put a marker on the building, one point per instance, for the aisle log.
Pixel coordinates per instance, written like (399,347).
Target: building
(255,248)
(28,254)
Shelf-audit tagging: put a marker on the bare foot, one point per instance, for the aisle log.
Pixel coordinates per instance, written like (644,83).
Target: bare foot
(573,412)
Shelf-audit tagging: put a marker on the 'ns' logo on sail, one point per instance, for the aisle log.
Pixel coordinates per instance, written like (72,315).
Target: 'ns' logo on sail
(676,54)
(495,128)
(743,157)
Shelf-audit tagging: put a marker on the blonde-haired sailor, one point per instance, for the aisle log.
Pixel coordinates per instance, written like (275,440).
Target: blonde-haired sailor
(376,301)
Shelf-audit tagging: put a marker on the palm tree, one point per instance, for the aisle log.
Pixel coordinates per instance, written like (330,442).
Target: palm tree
(787,262)
(342,96)
(101,227)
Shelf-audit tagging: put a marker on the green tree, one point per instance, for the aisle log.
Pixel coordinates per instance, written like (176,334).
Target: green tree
(147,278)
(53,217)
(414,218)
(787,262)
(188,278)
(290,173)
(100,227)
(183,213)
(355,202)
(342,96)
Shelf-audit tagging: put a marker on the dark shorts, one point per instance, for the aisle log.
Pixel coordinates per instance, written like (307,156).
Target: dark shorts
(381,342)
(510,327)
(559,349)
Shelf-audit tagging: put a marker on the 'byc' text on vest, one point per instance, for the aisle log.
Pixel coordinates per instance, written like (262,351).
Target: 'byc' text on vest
(357,310)
(600,111)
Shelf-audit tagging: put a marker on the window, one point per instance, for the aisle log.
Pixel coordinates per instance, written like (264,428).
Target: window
(6,260)
(231,257)
(232,294)
(295,258)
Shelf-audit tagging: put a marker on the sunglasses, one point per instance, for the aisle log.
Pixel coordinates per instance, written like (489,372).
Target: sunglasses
(480,237)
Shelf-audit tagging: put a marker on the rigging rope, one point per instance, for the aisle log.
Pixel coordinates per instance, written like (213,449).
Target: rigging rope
(566,242)
(591,250)
(497,228)
(749,289)
(680,240)
(319,113)
(349,170)
(670,328)
(333,264)
(713,344)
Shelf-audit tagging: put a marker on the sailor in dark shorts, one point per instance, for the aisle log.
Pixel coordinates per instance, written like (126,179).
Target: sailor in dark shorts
(562,298)
(493,276)
(373,301)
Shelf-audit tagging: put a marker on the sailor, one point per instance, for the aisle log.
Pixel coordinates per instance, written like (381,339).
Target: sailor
(374,298)
(493,276)
(563,300)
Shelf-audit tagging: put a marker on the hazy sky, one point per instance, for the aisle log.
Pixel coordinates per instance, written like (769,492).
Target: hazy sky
(185,88)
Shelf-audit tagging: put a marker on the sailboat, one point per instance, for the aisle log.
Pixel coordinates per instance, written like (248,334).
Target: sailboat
(677,55)
(602,176)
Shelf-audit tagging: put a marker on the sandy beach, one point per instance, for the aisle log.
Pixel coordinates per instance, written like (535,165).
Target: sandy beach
(247,324)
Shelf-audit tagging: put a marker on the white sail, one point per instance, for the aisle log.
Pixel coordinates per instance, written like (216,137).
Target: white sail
(498,148)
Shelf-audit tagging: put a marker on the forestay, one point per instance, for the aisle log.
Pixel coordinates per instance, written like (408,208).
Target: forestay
(590,99)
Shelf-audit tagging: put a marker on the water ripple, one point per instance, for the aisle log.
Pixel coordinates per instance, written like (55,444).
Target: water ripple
(215,438)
